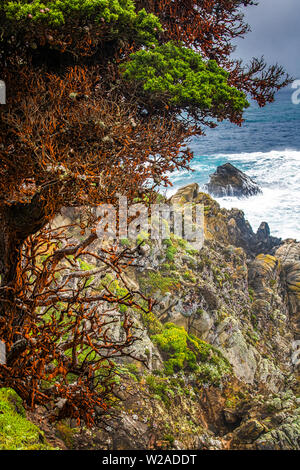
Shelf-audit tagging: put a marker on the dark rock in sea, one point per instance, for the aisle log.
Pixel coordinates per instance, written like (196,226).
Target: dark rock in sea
(230,181)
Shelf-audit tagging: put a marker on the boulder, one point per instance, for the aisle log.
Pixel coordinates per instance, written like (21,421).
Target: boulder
(230,181)
(186,194)
(249,431)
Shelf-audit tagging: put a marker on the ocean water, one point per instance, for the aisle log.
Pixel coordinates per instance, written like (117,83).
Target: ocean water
(267,148)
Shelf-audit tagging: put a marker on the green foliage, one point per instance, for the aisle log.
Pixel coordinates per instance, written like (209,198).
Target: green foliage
(120,15)
(170,253)
(161,388)
(167,388)
(251,294)
(85,266)
(125,242)
(182,243)
(156,282)
(151,322)
(121,292)
(143,237)
(147,26)
(133,370)
(16,432)
(116,289)
(187,352)
(189,276)
(129,370)
(57,12)
(182,77)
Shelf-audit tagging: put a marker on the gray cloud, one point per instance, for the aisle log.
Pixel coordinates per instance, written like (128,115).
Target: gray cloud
(275,26)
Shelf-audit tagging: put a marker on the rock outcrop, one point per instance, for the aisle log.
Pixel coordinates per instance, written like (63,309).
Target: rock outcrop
(228,226)
(187,193)
(230,181)
(219,344)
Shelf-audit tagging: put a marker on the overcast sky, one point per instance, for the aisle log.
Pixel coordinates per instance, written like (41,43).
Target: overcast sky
(275,26)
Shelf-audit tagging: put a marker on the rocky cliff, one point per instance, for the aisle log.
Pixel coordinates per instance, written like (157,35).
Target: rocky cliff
(220,344)
(218,353)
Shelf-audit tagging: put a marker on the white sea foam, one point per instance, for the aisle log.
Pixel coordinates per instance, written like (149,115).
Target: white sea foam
(278,174)
(273,154)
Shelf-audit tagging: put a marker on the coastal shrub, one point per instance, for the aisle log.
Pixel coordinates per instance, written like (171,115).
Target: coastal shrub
(187,352)
(151,322)
(156,282)
(165,388)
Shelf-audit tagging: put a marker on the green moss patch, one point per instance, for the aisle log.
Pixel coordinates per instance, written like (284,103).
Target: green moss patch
(156,282)
(16,432)
(187,352)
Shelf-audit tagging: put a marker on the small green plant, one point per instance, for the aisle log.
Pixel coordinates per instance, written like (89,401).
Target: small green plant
(251,294)
(166,388)
(170,253)
(151,322)
(169,438)
(159,387)
(156,282)
(199,312)
(188,275)
(129,370)
(187,352)
(125,242)
(85,266)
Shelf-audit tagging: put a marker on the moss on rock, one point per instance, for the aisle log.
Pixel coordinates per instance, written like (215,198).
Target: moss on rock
(187,352)
(16,432)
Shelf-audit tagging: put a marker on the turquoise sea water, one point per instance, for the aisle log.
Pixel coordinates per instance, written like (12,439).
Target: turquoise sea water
(267,148)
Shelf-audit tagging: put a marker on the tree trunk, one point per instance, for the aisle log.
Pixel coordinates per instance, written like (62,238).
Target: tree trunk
(18,221)
(10,248)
